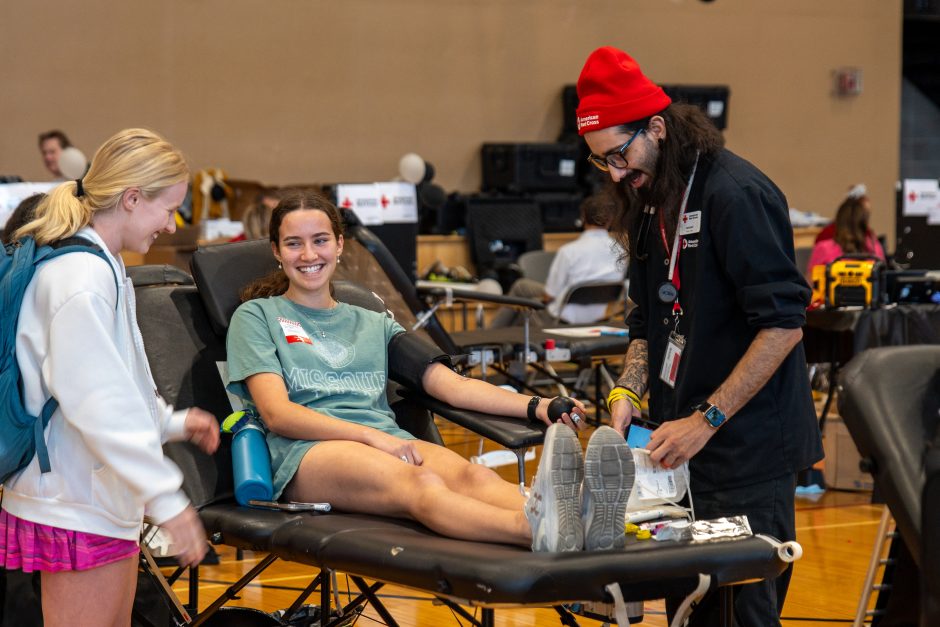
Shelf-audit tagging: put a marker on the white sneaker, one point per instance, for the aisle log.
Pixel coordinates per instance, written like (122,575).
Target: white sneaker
(553,506)
(609,473)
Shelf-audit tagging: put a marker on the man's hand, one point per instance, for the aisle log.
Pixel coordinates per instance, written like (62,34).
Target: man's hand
(622,414)
(635,377)
(675,442)
(202,429)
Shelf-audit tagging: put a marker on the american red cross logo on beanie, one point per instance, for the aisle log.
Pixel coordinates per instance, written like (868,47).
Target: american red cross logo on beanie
(612,90)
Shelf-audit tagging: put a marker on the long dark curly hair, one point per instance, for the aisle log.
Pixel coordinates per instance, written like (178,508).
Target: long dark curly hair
(687,130)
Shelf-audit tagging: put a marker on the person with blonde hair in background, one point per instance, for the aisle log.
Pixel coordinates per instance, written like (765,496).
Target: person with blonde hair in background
(77,340)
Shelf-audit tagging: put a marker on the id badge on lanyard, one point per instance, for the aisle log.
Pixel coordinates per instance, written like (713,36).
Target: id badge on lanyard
(674,348)
(676,343)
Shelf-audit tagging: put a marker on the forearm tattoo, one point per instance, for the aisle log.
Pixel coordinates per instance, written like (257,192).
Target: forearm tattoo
(636,368)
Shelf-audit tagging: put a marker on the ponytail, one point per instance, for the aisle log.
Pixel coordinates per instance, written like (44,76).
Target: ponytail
(59,215)
(274,284)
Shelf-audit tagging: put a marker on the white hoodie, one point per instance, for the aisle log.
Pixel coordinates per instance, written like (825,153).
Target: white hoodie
(105,440)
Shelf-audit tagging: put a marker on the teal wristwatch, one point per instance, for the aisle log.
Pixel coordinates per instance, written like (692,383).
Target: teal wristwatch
(713,416)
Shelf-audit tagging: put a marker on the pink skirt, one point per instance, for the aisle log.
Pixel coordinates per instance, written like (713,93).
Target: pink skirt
(29,546)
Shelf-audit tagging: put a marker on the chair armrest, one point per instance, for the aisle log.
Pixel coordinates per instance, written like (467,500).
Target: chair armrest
(511,433)
(461,295)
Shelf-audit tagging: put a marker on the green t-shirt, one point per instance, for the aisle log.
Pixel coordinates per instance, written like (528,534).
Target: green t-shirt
(334,361)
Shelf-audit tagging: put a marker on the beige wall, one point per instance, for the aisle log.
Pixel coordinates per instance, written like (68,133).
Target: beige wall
(290,91)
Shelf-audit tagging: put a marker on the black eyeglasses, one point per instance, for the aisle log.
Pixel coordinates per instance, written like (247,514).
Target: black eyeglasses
(615,158)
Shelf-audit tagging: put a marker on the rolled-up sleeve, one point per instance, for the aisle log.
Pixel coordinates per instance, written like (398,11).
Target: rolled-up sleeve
(753,239)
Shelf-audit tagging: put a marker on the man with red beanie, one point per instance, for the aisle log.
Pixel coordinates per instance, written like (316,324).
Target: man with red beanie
(715,336)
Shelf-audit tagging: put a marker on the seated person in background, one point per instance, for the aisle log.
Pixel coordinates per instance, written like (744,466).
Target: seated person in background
(256,218)
(850,234)
(315,371)
(594,256)
(23,213)
(51,144)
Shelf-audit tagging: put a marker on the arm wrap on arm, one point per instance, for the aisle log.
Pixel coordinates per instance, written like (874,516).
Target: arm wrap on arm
(409,355)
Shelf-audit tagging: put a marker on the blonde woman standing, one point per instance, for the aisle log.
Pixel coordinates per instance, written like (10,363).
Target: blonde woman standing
(77,341)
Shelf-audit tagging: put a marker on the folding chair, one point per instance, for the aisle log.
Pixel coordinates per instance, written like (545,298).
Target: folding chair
(535,264)
(594,293)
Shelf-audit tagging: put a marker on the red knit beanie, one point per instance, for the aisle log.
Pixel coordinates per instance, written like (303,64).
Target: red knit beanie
(612,90)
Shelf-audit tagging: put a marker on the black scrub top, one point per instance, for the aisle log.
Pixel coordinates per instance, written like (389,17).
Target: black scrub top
(738,276)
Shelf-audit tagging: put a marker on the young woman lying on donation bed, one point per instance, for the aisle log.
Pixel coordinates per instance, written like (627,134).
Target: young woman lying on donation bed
(315,371)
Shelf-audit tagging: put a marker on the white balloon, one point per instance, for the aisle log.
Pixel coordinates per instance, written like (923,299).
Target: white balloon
(411,168)
(72,163)
(489,286)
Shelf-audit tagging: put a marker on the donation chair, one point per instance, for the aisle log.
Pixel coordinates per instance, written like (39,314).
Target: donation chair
(154,274)
(889,399)
(183,348)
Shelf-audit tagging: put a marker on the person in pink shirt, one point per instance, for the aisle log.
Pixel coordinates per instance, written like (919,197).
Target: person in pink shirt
(852,233)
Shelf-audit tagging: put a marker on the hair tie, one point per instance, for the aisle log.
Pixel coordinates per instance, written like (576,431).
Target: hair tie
(79,190)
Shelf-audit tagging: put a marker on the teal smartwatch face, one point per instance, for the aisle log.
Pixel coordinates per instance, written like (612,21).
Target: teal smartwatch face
(713,416)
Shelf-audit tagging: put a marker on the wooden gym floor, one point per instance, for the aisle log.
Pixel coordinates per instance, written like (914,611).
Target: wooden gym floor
(837,531)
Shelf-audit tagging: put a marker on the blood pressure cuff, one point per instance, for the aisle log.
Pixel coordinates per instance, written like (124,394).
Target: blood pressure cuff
(409,355)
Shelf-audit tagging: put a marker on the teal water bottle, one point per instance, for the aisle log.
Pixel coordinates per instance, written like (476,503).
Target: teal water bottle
(251,463)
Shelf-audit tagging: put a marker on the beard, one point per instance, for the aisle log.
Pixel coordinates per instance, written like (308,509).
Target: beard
(663,190)
(648,163)
(652,193)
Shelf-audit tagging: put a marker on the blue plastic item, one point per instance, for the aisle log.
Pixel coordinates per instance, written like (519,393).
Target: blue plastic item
(251,463)
(638,437)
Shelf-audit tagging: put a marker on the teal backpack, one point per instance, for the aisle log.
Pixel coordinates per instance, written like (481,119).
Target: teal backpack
(21,435)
